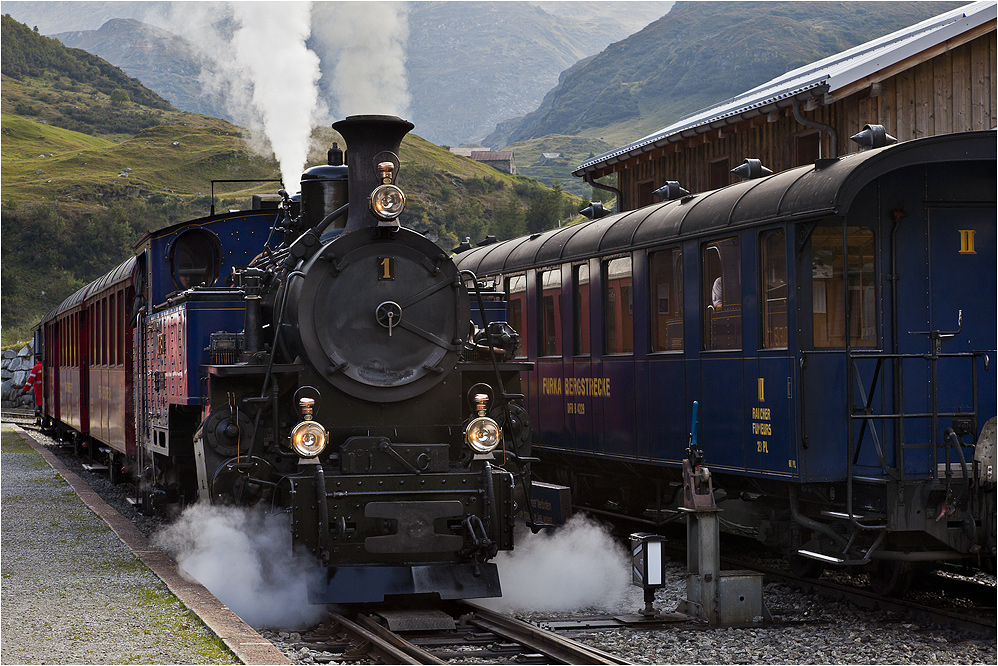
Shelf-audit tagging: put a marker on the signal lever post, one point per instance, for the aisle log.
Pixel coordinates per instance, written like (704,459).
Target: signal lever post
(713,596)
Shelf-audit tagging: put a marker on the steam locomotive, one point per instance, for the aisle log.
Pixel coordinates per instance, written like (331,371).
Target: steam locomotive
(836,324)
(312,358)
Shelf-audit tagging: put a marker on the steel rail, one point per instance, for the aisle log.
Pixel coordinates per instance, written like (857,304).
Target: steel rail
(419,654)
(560,649)
(381,650)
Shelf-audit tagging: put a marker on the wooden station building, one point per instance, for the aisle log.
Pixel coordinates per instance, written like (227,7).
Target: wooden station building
(935,77)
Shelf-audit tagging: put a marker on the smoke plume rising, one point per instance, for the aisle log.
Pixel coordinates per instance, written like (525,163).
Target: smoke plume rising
(255,62)
(577,566)
(364,44)
(244,557)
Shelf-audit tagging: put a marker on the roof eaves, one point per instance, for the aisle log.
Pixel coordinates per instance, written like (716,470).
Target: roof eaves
(723,115)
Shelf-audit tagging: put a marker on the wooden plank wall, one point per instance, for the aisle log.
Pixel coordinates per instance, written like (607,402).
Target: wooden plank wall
(952,92)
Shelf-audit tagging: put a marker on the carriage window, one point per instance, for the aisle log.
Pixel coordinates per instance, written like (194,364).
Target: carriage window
(722,294)
(618,307)
(773,302)
(516,304)
(833,276)
(112,329)
(550,327)
(120,353)
(665,270)
(104,332)
(580,276)
(194,258)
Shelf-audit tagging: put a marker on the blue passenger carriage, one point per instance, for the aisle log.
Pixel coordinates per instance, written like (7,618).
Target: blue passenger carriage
(836,323)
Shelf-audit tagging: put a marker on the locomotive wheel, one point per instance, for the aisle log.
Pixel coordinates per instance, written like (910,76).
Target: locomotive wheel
(238,482)
(890,578)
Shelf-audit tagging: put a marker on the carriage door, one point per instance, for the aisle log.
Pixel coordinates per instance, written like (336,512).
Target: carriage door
(840,308)
(770,440)
(721,358)
(956,315)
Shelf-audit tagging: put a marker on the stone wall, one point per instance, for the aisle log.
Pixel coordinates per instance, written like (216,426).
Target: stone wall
(14,371)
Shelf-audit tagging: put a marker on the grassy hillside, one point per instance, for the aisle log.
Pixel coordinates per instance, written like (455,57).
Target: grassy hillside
(699,54)
(177,159)
(572,151)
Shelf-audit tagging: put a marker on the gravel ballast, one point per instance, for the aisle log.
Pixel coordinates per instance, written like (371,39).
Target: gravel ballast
(72,592)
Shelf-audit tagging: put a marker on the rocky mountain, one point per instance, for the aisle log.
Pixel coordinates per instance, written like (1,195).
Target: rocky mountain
(699,54)
(470,64)
(163,61)
(473,64)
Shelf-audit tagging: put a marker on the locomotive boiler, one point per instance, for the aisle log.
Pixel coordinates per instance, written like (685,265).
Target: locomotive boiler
(316,360)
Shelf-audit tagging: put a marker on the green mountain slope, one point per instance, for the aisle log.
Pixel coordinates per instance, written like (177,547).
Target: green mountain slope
(25,53)
(699,54)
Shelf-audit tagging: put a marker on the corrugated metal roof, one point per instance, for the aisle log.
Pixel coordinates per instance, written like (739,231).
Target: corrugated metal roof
(491,155)
(814,80)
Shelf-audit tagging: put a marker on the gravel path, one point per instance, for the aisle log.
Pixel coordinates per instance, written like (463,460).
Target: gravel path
(72,592)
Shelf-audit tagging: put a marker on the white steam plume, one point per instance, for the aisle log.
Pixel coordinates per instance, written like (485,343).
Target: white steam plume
(256,63)
(367,42)
(270,45)
(244,557)
(577,566)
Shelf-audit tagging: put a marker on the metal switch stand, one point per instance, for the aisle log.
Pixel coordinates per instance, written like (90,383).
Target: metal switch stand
(715,596)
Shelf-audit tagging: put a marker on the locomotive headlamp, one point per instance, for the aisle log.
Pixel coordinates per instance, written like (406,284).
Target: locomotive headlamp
(308,438)
(387,202)
(482,434)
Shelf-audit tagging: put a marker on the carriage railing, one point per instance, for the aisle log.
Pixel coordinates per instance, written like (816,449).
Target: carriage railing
(864,417)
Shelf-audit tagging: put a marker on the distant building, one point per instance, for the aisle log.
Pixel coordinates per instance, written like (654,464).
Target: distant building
(497,159)
(935,77)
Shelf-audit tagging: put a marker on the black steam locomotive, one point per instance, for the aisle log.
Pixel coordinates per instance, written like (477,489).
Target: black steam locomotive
(315,359)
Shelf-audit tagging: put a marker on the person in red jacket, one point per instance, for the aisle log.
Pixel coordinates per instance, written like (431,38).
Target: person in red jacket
(35,380)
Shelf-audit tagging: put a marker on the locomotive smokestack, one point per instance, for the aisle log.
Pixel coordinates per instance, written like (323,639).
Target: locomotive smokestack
(370,140)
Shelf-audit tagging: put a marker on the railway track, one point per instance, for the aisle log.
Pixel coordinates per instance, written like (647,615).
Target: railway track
(18,416)
(452,631)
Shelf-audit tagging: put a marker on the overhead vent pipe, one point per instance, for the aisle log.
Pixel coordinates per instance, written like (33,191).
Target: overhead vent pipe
(594,211)
(750,169)
(671,190)
(873,136)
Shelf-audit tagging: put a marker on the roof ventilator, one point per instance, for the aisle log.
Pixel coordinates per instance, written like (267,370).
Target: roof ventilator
(873,136)
(671,190)
(594,211)
(751,168)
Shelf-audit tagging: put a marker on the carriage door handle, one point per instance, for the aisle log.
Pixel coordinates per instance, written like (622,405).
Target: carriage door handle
(938,335)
